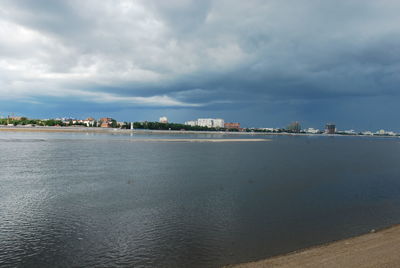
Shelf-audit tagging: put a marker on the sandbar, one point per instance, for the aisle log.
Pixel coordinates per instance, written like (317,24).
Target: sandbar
(198,140)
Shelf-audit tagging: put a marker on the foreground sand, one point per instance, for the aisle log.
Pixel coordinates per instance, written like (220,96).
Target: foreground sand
(380,249)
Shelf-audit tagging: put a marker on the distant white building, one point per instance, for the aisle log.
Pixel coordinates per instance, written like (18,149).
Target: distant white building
(381,132)
(350,132)
(312,130)
(207,122)
(269,129)
(211,122)
(163,119)
(369,133)
(218,123)
(192,123)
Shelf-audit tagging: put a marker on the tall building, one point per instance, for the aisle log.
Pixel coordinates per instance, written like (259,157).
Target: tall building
(210,122)
(294,127)
(218,123)
(330,128)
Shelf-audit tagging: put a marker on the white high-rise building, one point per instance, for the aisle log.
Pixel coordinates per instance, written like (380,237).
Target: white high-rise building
(205,122)
(210,122)
(218,123)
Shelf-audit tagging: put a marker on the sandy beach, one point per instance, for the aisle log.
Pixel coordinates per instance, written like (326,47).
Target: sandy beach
(375,249)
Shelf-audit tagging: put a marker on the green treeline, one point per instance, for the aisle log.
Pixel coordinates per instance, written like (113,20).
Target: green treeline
(37,122)
(169,126)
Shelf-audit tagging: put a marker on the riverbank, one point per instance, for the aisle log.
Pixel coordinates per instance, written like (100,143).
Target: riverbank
(158,132)
(375,249)
(129,131)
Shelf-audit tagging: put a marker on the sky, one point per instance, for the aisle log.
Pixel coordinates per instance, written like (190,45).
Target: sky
(263,63)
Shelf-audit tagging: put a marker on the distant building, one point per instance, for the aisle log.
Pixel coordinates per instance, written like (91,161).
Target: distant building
(106,122)
(350,132)
(312,131)
(16,118)
(192,123)
(381,132)
(232,126)
(386,133)
(218,123)
(105,119)
(163,120)
(369,133)
(330,129)
(211,122)
(294,127)
(269,129)
(105,125)
(207,122)
(90,121)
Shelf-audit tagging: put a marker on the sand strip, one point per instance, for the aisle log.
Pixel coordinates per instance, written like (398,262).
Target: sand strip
(378,249)
(198,140)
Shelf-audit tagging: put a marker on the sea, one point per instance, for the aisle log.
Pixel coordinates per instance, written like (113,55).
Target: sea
(106,200)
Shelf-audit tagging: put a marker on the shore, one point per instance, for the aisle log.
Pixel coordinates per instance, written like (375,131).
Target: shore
(125,131)
(157,132)
(163,132)
(375,249)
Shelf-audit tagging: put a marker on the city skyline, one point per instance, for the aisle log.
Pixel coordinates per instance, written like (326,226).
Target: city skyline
(262,63)
(294,126)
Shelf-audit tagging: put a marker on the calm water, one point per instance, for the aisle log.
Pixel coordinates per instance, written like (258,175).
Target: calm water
(100,200)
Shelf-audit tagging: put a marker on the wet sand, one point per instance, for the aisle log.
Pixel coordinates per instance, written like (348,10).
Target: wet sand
(376,249)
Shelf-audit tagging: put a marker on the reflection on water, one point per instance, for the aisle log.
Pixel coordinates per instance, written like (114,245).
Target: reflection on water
(71,199)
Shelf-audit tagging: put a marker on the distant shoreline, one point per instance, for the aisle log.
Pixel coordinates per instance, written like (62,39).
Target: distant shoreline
(167,132)
(128,131)
(374,249)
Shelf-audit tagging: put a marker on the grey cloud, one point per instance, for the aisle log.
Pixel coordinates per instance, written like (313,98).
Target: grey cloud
(202,52)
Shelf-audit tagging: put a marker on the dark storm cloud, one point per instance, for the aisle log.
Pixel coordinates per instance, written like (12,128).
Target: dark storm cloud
(200,54)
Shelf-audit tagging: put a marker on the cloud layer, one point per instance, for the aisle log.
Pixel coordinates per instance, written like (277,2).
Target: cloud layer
(203,57)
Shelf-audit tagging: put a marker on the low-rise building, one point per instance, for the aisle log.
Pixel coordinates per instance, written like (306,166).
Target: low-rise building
(89,122)
(368,133)
(191,123)
(105,125)
(350,132)
(312,130)
(106,122)
(232,126)
(105,119)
